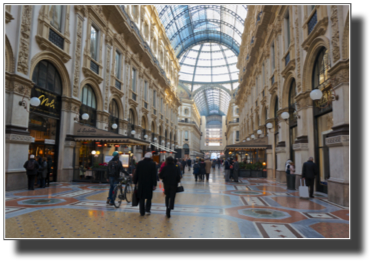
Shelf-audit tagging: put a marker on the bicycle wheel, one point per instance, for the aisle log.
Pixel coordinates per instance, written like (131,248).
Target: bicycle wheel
(116,193)
(128,192)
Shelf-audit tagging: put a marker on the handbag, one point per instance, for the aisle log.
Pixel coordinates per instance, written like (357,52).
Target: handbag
(303,190)
(180,188)
(135,199)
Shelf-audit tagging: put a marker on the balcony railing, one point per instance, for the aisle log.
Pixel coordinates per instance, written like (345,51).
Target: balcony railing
(234,121)
(56,39)
(118,84)
(94,67)
(312,22)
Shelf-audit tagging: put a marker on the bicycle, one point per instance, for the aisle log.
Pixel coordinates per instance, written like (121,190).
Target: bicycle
(120,194)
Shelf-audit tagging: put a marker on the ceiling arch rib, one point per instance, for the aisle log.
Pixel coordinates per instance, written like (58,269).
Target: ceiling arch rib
(206,40)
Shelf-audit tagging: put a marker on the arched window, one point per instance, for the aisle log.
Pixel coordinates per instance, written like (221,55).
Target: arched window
(88,105)
(114,116)
(46,77)
(186,135)
(321,66)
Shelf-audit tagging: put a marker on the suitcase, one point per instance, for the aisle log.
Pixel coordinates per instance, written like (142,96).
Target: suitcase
(303,190)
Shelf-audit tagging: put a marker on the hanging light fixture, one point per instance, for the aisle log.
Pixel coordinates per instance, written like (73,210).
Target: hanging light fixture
(259,132)
(85,116)
(133,132)
(285,115)
(114,126)
(269,125)
(155,139)
(93,152)
(253,137)
(145,136)
(35,101)
(316,94)
(248,139)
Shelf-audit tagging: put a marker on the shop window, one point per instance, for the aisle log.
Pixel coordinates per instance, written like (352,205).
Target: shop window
(88,105)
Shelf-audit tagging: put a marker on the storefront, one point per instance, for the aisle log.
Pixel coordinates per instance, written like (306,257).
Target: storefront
(95,149)
(44,120)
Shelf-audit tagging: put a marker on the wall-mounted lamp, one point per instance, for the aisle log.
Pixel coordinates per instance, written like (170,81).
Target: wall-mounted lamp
(85,116)
(133,132)
(114,126)
(145,136)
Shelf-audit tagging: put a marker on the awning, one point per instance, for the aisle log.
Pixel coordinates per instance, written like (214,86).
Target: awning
(115,139)
(86,133)
(162,147)
(260,143)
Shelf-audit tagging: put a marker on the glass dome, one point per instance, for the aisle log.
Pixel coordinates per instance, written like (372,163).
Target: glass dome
(208,63)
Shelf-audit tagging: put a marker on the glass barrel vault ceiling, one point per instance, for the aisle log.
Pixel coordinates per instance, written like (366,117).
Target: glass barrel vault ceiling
(206,40)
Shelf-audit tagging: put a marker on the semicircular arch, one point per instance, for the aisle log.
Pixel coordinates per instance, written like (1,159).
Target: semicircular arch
(58,64)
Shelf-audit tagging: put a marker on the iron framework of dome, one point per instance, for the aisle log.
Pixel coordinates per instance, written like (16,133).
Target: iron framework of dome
(206,40)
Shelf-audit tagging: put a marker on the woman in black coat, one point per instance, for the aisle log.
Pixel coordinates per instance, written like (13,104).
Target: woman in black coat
(171,177)
(202,170)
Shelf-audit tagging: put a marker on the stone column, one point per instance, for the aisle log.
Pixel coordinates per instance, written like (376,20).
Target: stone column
(338,139)
(17,136)
(70,110)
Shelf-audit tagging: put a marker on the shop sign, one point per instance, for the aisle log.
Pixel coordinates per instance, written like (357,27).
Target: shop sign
(50,141)
(84,130)
(50,102)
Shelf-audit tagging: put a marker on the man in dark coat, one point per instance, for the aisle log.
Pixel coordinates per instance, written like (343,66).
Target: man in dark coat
(227,170)
(145,178)
(183,163)
(32,168)
(309,171)
(171,177)
(189,163)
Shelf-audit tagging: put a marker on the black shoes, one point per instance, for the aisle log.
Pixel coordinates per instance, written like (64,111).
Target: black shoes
(168,213)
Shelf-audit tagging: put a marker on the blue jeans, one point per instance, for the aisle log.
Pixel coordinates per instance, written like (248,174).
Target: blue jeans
(113,182)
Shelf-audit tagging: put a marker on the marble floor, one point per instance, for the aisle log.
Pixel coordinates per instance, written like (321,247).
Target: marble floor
(252,208)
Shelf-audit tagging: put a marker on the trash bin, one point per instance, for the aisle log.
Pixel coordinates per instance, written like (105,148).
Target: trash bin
(291,184)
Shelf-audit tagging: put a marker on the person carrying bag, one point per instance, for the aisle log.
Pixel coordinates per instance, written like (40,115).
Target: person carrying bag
(170,175)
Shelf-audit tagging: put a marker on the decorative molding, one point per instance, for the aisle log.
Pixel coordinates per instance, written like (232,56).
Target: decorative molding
(8,17)
(340,140)
(335,34)
(319,29)
(79,38)
(20,139)
(23,55)
(107,76)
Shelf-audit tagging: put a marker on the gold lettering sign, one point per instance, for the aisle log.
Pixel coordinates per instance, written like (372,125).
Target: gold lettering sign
(325,100)
(46,101)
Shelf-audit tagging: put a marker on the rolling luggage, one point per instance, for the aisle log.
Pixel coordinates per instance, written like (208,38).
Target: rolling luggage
(303,189)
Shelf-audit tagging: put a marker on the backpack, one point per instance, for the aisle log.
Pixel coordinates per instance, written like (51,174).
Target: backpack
(113,165)
(288,169)
(196,166)
(30,165)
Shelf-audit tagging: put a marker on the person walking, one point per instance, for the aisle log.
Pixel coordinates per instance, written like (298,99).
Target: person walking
(114,169)
(177,162)
(231,168)
(189,163)
(207,168)
(183,163)
(227,170)
(236,170)
(196,170)
(171,177)
(219,163)
(39,175)
(44,172)
(292,176)
(309,171)
(213,164)
(32,168)
(145,178)
(49,170)
(202,170)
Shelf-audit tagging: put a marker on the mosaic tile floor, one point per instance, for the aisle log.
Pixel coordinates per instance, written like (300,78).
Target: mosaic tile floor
(252,208)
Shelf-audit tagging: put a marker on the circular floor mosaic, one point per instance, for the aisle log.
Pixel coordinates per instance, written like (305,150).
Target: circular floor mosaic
(245,193)
(41,201)
(264,213)
(99,187)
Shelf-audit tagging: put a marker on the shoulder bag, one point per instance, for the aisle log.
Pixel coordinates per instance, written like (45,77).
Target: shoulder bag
(180,188)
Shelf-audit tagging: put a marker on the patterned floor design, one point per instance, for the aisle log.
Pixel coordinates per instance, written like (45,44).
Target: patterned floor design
(252,208)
